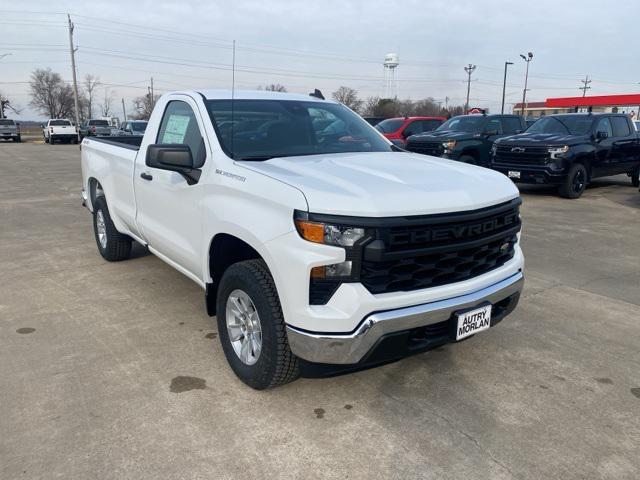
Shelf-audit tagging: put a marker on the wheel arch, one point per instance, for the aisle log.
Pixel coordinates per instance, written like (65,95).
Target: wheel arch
(225,249)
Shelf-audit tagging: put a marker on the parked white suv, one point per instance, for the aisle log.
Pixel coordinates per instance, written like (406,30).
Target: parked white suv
(318,248)
(59,130)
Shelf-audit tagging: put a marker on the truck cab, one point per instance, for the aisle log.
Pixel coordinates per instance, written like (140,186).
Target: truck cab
(569,150)
(467,138)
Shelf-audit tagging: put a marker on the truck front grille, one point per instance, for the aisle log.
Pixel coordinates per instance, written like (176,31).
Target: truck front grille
(426,148)
(513,155)
(415,252)
(444,249)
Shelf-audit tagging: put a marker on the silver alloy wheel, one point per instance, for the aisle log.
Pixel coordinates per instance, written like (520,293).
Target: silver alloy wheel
(243,326)
(102,229)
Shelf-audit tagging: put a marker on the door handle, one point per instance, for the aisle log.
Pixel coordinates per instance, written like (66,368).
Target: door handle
(146,176)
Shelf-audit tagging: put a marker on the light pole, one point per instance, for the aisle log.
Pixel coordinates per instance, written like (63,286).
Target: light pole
(469,69)
(504,85)
(527,59)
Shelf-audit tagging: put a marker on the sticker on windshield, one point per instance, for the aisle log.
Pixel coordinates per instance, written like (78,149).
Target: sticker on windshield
(176,129)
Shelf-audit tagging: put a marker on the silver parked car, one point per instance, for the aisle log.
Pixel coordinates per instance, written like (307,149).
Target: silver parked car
(133,127)
(9,130)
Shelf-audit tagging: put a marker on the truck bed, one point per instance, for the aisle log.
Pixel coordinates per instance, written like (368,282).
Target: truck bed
(125,141)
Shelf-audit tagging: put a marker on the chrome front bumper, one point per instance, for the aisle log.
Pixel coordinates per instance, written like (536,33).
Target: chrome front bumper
(351,348)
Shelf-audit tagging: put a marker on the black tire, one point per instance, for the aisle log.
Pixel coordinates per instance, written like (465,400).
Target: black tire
(468,159)
(51,140)
(46,140)
(276,364)
(635,177)
(18,139)
(117,246)
(575,182)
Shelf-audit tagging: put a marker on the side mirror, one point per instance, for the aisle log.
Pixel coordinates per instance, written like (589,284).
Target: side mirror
(489,133)
(42,125)
(174,158)
(600,135)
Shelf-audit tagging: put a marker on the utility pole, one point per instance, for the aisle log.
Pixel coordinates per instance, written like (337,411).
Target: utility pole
(504,85)
(527,59)
(75,80)
(446,103)
(585,86)
(124,112)
(152,93)
(469,69)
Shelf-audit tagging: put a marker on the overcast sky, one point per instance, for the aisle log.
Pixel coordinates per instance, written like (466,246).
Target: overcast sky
(305,45)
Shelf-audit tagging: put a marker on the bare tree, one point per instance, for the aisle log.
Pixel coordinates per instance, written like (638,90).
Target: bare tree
(90,83)
(143,106)
(349,97)
(105,106)
(273,87)
(50,95)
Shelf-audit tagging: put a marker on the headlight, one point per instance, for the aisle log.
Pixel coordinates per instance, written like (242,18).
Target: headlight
(557,151)
(450,145)
(328,234)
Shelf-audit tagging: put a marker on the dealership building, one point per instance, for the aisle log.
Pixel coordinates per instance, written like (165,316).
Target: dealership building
(629,103)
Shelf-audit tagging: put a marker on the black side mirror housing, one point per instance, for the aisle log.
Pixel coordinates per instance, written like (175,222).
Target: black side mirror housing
(174,158)
(601,135)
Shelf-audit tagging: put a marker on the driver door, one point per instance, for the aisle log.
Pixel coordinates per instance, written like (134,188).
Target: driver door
(168,208)
(604,158)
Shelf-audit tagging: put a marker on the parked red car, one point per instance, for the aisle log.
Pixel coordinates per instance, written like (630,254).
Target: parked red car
(399,129)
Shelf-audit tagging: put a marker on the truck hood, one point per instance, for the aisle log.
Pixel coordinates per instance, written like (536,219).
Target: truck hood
(382,184)
(543,139)
(443,136)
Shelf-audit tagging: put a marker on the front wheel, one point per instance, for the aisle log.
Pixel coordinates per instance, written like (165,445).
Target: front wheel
(635,177)
(251,327)
(575,182)
(468,159)
(51,140)
(112,245)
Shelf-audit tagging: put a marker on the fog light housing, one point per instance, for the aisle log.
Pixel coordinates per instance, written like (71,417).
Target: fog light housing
(335,270)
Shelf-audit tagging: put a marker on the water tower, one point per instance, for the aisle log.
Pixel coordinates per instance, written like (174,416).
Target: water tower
(391,62)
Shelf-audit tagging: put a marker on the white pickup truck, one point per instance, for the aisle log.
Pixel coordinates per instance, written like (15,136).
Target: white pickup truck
(59,130)
(320,245)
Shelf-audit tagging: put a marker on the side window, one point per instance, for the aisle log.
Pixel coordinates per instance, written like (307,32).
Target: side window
(511,125)
(179,125)
(413,128)
(620,127)
(604,125)
(494,125)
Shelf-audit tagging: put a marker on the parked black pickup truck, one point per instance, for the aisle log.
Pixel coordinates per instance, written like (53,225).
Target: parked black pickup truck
(569,150)
(466,138)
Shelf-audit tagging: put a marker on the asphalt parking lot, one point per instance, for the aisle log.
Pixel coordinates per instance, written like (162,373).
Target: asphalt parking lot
(113,370)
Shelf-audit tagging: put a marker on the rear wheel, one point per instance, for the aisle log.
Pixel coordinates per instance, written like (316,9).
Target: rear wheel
(251,327)
(575,182)
(112,245)
(635,177)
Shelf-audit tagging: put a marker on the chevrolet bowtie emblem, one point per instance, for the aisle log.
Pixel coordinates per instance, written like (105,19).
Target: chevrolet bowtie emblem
(517,150)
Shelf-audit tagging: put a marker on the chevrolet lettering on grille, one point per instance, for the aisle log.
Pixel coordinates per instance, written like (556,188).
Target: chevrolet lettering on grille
(458,232)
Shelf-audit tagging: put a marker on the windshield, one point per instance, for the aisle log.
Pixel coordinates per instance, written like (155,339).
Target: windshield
(390,125)
(59,123)
(263,129)
(566,124)
(464,123)
(99,123)
(139,126)
(6,123)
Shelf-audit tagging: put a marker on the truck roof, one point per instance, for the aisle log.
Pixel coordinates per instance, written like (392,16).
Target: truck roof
(220,94)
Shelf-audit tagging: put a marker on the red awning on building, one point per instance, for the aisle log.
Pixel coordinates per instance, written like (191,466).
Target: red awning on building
(598,100)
